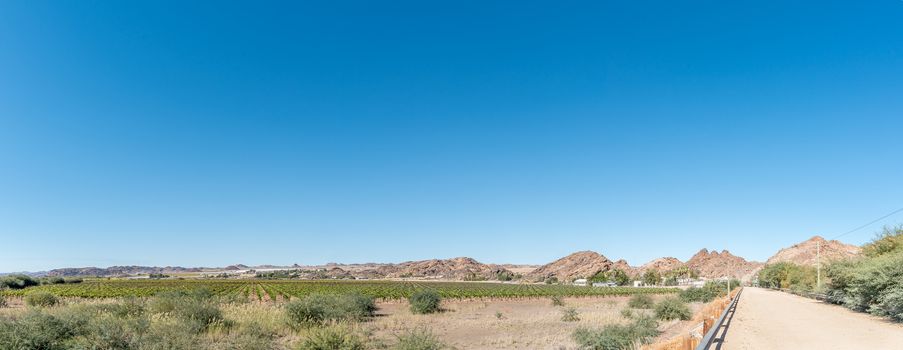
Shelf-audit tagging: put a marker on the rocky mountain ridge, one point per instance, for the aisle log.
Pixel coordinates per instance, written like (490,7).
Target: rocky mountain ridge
(806,252)
(583,264)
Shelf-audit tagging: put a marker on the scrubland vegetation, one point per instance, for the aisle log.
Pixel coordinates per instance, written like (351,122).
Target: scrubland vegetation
(871,283)
(255,314)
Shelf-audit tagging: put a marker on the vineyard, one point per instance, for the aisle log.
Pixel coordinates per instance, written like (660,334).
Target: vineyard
(285,289)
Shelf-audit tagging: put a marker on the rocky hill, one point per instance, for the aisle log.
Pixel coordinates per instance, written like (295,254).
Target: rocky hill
(462,268)
(119,270)
(577,265)
(716,265)
(622,265)
(661,264)
(805,253)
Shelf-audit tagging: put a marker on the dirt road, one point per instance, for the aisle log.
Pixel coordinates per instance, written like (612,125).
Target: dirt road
(767,319)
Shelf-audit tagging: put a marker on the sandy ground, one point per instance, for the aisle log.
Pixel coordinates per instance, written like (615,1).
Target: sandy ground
(507,324)
(767,319)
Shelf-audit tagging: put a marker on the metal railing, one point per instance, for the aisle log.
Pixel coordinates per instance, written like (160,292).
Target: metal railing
(709,337)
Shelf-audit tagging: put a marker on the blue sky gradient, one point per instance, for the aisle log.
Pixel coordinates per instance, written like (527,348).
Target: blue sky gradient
(213,133)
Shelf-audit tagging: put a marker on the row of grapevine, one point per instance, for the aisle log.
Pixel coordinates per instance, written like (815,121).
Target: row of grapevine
(284,289)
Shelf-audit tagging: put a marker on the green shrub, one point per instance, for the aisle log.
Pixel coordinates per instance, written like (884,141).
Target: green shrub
(54,280)
(873,283)
(34,330)
(106,331)
(316,309)
(694,294)
(672,309)
(418,339)
(332,337)
(889,240)
(3,302)
(556,300)
(641,301)
(17,281)
(425,302)
(617,337)
(195,308)
(41,299)
(570,315)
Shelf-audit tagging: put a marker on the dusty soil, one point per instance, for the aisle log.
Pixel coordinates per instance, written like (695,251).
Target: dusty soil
(767,319)
(507,324)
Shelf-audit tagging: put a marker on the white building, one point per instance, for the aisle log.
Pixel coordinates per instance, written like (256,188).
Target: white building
(580,282)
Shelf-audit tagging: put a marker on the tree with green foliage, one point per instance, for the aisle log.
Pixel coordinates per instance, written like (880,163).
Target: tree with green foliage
(620,277)
(788,275)
(652,277)
(873,283)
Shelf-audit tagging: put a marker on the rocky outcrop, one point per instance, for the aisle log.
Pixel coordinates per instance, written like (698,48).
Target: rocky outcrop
(724,264)
(119,271)
(583,264)
(462,268)
(806,252)
(663,265)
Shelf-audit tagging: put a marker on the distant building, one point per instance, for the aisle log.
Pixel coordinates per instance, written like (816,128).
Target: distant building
(580,282)
(604,284)
(692,282)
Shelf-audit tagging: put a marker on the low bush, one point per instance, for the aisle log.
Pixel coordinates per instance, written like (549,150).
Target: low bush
(556,300)
(3,302)
(627,313)
(17,281)
(672,309)
(695,294)
(41,299)
(641,301)
(195,307)
(315,309)
(616,336)
(570,315)
(425,302)
(34,330)
(418,339)
(332,337)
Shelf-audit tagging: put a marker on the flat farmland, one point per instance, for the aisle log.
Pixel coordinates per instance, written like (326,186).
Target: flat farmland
(286,289)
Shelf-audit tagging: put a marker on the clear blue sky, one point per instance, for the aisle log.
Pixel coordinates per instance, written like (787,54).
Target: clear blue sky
(174,133)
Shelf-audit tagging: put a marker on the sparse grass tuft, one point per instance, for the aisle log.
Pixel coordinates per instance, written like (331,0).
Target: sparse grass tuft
(316,309)
(418,339)
(556,300)
(641,301)
(616,336)
(332,337)
(570,315)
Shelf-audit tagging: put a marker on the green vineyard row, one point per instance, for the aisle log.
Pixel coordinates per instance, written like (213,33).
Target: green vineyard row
(272,290)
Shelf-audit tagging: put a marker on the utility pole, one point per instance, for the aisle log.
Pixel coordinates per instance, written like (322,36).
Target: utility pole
(818,263)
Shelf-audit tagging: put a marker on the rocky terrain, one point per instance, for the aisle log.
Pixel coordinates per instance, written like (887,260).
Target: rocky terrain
(577,265)
(805,252)
(661,264)
(712,264)
(120,271)
(584,264)
(461,268)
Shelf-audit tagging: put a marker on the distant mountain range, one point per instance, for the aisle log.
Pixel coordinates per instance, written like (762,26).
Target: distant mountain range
(584,264)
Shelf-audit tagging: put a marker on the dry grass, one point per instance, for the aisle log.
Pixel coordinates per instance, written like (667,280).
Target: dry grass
(464,324)
(687,334)
(532,323)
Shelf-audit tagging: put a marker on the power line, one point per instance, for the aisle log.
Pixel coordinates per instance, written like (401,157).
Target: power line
(870,222)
